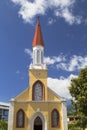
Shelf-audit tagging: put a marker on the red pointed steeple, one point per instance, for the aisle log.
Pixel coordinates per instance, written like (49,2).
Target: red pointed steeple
(38,39)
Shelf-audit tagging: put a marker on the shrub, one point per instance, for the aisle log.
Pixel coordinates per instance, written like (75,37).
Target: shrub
(3,125)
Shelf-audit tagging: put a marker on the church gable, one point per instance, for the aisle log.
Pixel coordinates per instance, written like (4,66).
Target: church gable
(23,96)
(53,96)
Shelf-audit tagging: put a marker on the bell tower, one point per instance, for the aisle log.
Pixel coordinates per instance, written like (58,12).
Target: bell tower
(38,70)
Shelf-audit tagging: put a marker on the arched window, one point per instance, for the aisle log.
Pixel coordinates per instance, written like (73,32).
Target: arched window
(38,91)
(55,118)
(20,118)
(38,57)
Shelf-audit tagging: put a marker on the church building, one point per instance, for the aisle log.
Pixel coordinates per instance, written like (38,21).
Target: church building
(38,107)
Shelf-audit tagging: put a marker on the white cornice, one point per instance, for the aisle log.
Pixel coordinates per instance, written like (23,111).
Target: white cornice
(38,66)
(27,101)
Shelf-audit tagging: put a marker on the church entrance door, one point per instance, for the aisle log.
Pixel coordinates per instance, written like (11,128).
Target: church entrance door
(38,123)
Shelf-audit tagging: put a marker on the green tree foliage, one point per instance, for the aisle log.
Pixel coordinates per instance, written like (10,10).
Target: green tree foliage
(3,125)
(78,90)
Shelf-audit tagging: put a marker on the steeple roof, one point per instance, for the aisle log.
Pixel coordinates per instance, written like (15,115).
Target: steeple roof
(38,39)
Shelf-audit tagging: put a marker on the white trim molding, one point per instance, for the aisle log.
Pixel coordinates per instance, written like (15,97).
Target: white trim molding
(64,116)
(11,115)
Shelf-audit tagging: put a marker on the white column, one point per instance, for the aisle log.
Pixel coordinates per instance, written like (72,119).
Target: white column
(11,115)
(64,116)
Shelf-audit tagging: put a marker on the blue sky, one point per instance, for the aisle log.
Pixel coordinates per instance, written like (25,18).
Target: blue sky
(64,28)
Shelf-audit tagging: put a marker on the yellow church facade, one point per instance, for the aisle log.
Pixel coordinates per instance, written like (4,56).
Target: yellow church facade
(37,107)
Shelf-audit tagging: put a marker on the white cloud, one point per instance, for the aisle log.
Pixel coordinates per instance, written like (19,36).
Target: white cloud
(51,21)
(49,60)
(28,10)
(70,64)
(63,62)
(69,17)
(29,52)
(60,8)
(17,72)
(60,86)
(54,59)
(75,63)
